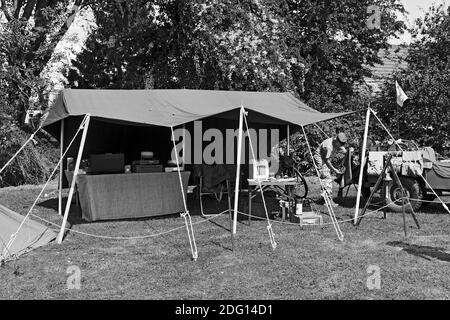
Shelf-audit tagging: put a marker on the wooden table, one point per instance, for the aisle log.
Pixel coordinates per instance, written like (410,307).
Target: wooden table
(282,186)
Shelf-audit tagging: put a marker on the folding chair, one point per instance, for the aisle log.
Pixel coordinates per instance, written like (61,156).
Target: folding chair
(214,180)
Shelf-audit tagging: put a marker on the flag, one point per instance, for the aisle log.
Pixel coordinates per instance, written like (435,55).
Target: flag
(401,96)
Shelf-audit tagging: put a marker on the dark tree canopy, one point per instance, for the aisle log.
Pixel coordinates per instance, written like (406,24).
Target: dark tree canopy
(229,45)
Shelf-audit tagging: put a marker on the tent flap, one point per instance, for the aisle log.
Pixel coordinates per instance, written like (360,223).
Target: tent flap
(173,107)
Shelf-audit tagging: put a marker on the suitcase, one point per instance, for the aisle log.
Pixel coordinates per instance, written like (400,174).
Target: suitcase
(106,163)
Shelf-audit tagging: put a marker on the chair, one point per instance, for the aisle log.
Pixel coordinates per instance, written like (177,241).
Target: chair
(216,180)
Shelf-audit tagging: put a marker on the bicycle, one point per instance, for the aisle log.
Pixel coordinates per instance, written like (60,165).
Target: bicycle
(289,168)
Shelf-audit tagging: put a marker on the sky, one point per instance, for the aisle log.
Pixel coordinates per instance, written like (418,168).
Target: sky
(416,9)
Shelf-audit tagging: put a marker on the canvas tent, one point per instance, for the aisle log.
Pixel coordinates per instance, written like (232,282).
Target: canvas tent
(168,108)
(173,107)
(32,234)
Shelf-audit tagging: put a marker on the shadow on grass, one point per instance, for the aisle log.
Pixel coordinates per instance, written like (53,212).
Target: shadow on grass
(425,252)
(377,202)
(75,214)
(433,208)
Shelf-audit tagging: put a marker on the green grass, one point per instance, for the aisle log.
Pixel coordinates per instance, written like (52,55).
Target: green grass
(308,263)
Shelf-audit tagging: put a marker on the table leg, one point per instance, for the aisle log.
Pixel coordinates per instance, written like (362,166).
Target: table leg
(291,209)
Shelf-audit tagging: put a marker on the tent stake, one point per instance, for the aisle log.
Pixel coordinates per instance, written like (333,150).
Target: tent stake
(75,173)
(363,161)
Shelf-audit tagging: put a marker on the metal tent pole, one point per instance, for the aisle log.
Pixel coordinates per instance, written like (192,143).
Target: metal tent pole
(361,169)
(288,140)
(75,173)
(238,169)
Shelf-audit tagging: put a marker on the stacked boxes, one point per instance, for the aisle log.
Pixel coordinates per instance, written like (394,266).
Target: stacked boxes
(305,215)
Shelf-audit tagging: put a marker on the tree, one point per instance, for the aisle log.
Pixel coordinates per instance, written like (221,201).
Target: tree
(425,117)
(339,45)
(230,45)
(29,33)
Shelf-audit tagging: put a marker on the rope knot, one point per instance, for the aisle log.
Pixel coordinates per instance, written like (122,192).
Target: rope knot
(184,214)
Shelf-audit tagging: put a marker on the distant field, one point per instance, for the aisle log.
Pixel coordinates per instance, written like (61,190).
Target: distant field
(308,263)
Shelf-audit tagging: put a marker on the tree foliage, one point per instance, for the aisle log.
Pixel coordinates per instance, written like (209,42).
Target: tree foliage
(229,45)
(316,49)
(338,46)
(425,117)
(29,33)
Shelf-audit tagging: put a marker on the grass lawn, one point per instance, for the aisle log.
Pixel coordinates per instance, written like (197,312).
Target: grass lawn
(308,263)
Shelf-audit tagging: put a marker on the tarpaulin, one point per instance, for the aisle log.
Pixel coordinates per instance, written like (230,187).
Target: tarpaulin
(172,107)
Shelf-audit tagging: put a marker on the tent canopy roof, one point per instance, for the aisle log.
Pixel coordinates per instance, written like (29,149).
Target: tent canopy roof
(172,107)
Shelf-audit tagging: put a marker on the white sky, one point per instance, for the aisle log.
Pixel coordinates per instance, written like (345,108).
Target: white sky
(415,9)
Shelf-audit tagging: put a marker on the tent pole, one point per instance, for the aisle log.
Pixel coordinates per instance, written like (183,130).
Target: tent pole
(238,169)
(361,169)
(185,214)
(75,173)
(288,140)
(61,168)
(184,146)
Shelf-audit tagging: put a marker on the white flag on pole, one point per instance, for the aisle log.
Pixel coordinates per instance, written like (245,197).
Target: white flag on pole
(401,96)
